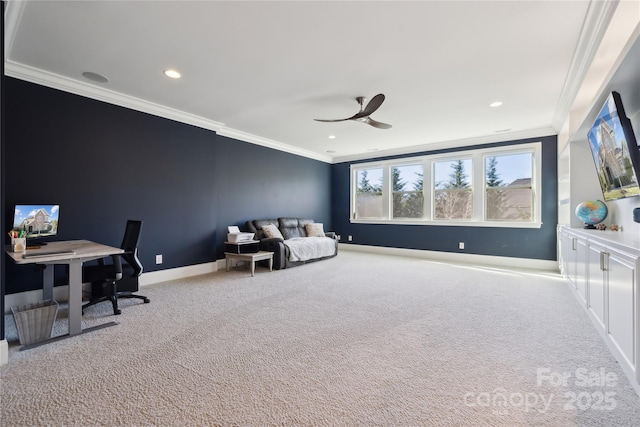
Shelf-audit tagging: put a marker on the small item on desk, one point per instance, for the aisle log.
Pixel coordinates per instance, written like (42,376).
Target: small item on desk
(234,235)
(19,244)
(47,253)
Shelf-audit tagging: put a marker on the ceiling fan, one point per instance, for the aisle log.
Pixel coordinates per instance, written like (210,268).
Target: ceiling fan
(365,112)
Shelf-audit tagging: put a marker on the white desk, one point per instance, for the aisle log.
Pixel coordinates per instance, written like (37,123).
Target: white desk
(83,250)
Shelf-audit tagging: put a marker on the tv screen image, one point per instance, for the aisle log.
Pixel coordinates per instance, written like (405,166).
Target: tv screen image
(615,151)
(37,220)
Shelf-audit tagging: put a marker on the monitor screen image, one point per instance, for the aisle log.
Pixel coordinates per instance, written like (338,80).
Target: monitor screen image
(615,151)
(37,220)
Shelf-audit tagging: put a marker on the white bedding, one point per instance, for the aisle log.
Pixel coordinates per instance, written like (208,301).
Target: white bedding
(306,248)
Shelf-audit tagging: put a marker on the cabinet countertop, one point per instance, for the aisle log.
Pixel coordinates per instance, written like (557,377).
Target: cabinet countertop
(623,240)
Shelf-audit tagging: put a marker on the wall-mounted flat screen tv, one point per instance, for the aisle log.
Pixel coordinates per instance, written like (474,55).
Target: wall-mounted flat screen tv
(615,151)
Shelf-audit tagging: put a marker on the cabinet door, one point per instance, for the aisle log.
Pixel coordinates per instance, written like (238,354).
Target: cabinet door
(570,258)
(596,284)
(621,274)
(581,269)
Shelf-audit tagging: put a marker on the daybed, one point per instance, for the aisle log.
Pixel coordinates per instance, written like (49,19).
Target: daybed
(293,241)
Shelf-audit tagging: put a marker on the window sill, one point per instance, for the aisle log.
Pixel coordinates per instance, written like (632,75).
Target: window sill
(491,224)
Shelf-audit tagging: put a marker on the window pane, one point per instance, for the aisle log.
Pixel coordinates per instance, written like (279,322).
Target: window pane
(453,192)
(509,194)
(369,193)
(452,174)
(407,185)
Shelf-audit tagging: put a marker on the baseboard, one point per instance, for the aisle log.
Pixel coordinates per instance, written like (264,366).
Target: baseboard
(177,273)
(4,352)
(533,264)
(61,293)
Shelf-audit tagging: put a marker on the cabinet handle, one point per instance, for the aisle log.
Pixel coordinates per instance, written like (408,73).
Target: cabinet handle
(573,244)
(603,260)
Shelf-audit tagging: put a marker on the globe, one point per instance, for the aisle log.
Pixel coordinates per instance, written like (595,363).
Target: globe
(591,212)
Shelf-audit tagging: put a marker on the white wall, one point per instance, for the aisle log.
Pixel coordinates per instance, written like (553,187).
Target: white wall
(614,68)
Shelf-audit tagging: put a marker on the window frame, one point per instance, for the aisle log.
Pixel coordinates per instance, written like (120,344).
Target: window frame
(478,185)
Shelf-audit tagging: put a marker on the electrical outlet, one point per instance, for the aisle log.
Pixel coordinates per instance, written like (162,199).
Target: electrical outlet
(350,238)
(338,236)
(158,259)
(461,245)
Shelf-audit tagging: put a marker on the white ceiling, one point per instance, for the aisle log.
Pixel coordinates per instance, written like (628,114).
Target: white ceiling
(261,71)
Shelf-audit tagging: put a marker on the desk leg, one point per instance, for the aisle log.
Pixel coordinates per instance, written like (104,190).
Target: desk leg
(47,282)
(75,297)
(253,266)
(271,263)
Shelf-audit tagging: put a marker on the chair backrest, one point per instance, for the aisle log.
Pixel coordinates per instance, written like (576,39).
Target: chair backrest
(130,245)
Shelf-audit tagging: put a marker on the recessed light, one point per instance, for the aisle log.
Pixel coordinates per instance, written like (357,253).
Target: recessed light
(332,137)
(331,151)
(495,104)
(503,130)
(95,77)
(372,149)
(173,74)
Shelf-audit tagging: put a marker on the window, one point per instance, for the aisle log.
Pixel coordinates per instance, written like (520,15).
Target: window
(508,193)
(453,192)
(407,185)
(495,187)
(369,193)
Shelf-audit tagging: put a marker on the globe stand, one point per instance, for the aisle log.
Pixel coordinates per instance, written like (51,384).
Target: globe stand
(589,226)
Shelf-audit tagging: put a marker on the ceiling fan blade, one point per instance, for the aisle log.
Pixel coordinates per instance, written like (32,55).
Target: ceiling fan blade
(354,117)
(376,124)
(337,120)
(364,113)
(372,106)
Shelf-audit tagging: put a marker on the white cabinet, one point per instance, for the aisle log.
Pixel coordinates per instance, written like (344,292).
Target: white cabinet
(621,284)
(596,280)
(602,268)
(573,249)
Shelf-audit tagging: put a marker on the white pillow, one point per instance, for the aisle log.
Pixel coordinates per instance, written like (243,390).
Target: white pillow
(271,231)
(314,229)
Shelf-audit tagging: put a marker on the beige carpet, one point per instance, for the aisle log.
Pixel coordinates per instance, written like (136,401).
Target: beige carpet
(358,340)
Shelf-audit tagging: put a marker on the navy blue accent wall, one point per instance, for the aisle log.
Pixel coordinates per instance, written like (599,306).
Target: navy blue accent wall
(508,242)
(105,164)
(256,182)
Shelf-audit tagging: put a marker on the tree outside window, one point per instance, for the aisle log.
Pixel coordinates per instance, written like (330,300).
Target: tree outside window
(407,186)
(369,193)
(509,193)
(453,193)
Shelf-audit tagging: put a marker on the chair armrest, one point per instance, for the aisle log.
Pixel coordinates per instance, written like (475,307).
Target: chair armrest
(117,265)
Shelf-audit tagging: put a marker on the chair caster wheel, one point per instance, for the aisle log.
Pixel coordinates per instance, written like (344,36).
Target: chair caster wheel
(146,300)
(117,312)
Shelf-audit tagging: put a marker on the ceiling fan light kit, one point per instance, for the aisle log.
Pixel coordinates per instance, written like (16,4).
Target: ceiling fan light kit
(365,111)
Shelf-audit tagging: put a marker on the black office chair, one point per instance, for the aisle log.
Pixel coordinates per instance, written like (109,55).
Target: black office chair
(109,282)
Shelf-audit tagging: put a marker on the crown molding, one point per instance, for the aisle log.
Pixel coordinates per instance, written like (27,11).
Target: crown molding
(76,87)
(265,142)
(596,23)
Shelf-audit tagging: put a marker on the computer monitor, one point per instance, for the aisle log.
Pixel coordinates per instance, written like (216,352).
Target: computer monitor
(37,221)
